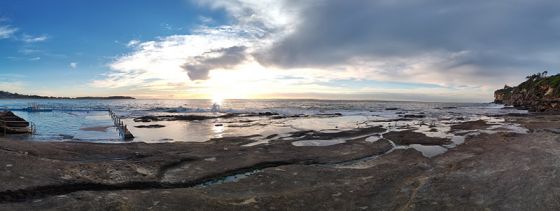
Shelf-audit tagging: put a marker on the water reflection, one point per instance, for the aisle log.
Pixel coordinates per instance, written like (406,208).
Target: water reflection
(90,126)
(218,130)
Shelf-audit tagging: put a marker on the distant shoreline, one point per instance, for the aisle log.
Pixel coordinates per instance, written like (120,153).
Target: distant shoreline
(16,96)
(68,98)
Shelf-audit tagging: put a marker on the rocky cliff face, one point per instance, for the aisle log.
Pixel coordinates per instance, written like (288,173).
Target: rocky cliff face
(538,93)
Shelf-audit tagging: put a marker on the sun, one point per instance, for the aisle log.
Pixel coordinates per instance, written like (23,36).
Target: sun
(217,99)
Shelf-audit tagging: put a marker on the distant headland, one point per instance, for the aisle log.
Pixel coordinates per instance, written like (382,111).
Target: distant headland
(9,95)
(539,92)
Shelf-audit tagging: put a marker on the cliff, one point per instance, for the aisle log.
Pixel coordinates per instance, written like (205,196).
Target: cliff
(538,93)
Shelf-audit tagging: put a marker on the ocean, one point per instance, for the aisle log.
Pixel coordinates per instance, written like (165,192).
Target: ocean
(86,120)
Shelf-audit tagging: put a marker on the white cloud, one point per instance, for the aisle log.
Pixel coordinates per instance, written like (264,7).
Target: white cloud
(206,20)
(73,65)
(133,43)
(161,60)
(33,39)
(7,31)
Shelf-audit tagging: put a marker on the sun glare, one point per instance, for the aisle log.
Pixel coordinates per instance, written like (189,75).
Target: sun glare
(217,99)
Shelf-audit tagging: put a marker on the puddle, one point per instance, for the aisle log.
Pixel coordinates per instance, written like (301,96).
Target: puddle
(229,179)
(374,138)
(264,141)
(318,143)
(429,151)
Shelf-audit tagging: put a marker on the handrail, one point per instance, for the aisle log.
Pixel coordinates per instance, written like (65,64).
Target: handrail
(124,133)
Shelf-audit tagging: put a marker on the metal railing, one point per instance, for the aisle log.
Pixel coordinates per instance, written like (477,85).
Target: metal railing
(124,133)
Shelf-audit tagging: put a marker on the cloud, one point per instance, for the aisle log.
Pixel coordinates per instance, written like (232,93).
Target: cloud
(200,66)
(33,39)
(161,61)
(470,46)
(133,43)
(29,51)
(487,38)
(436,41)
(205,19)
(73,65)
(7,31)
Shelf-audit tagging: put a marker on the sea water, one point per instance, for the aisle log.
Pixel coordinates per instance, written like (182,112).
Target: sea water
(72,120)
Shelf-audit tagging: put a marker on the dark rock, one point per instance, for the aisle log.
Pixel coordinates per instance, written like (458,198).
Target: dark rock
(149,126)
(471,125)
(408,137)
(311,134)
(146,119)
(271,136)
(267,113)
(414,116)
(330,114)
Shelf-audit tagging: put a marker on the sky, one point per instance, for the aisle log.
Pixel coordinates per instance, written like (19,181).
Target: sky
(422,50)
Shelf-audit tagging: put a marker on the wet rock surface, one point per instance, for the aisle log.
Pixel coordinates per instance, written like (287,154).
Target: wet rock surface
(310,134)
(408,137)
(471,125)
(497,171)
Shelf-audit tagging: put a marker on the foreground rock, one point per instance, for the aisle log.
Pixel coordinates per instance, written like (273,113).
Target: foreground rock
(499,171)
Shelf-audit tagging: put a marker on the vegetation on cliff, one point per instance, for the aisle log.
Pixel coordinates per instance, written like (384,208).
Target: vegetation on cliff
(539,92)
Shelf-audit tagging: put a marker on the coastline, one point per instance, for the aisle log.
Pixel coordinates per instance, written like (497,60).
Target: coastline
(488,171)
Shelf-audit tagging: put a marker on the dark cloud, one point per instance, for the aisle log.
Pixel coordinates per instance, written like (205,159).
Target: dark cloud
(497,35)
(199,67)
